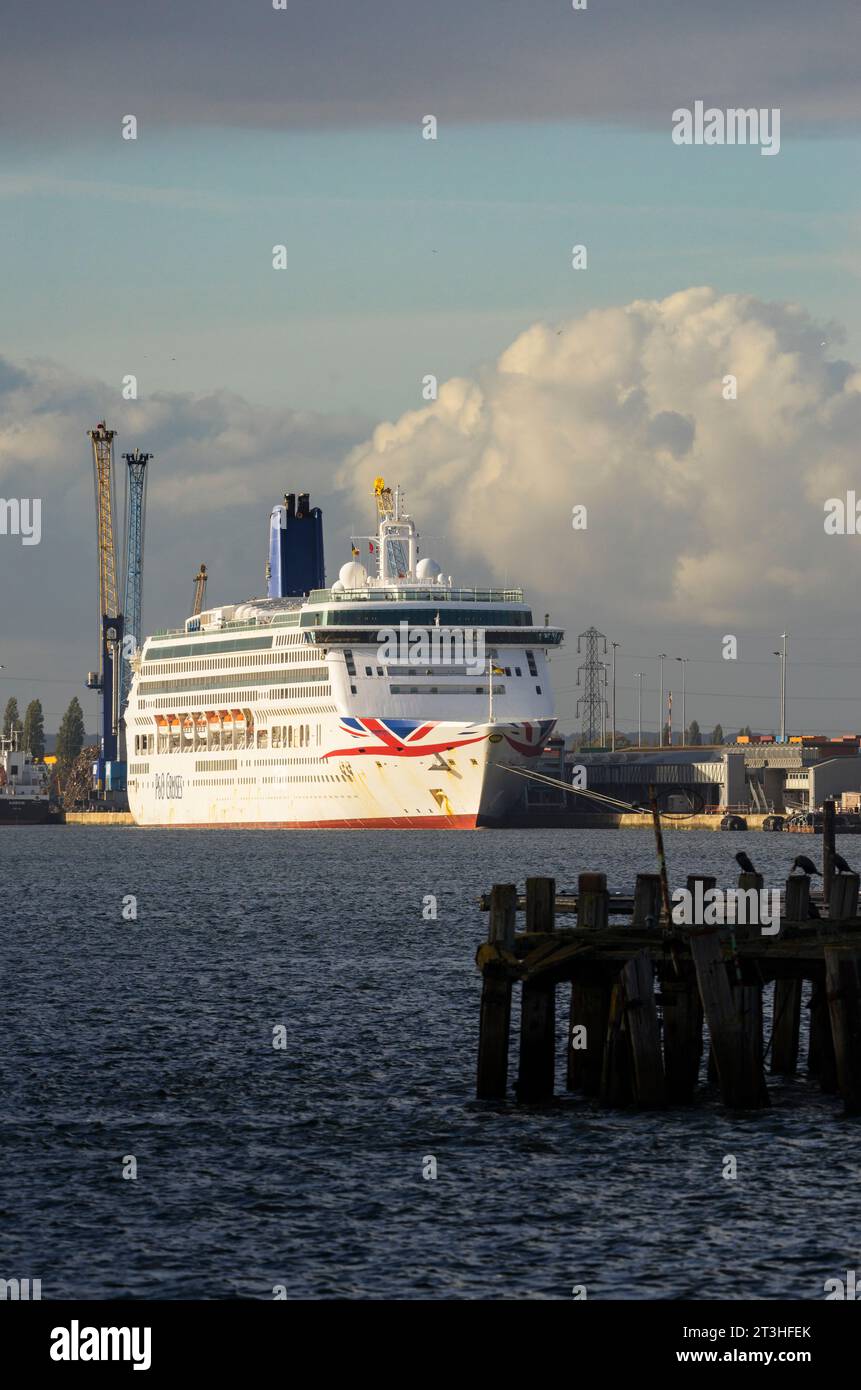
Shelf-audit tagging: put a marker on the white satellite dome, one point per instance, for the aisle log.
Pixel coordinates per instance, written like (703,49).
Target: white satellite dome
(428,569)
(353,575)
(337,587)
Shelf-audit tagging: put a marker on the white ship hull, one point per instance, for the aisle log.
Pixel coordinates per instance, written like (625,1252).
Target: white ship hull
(395,700)
(465,781)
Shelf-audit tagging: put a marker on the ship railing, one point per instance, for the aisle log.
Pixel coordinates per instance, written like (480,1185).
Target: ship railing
(414,593)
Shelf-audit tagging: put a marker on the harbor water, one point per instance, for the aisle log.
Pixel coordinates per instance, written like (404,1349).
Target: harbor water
(233,1061)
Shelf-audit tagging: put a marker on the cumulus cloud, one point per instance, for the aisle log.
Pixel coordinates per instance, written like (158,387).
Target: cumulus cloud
(700,508)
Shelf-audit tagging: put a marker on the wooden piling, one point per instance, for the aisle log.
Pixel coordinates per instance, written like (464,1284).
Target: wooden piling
(637,1052)
(828,847)
(617,1083)
(540,904)
(744,930)
(495,1018)
(843,898)
(538,1003)
(843,991)
(662,858)
(730,1026)
(708,882)
(748,1005)
(593,900)
(796,901)
(647,900)
(537,1041)
(821,1061)
(786,1022)
(641,1016)
(683,1037)
(590,1009)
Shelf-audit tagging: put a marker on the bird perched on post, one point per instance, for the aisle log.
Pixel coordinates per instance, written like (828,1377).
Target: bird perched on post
(744,863)
(806,865)
(840,864)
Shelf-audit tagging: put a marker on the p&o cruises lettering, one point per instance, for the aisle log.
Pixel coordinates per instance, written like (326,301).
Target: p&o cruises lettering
(168,787)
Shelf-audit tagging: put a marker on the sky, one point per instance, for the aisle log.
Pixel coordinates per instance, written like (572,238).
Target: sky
(598,386)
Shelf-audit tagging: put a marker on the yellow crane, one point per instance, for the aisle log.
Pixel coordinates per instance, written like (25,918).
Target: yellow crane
(199,591)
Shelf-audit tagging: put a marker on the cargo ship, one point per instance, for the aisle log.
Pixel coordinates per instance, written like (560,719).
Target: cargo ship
(25,787)
(393,698)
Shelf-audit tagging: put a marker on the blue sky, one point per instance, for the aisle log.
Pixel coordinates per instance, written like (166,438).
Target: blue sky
(404,255)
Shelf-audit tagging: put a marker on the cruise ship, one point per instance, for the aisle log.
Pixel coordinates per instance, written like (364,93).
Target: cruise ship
(393,698)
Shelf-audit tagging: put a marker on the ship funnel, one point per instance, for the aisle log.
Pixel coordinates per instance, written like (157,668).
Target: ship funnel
(295,548)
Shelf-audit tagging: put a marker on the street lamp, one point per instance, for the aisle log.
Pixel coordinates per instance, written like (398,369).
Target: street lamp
(662,656)
(684,661)
(614,645)
(638,677)
(782,655)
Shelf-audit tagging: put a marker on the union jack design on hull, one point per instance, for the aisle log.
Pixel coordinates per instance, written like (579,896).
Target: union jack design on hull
(398,738)
(534,737)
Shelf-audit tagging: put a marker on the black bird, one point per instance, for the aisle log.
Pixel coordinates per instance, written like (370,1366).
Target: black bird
(744,863)
(840,864)
(806,865)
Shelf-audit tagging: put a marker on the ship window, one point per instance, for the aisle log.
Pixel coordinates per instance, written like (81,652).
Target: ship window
(352,690)
(538,689)
(533,669)
(517,670)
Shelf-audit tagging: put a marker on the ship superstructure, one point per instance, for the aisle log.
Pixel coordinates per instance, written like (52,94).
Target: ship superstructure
(392,698)
(25,787)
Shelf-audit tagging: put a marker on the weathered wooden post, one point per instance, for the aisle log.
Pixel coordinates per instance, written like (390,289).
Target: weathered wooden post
(843,985)
(731,1024)
(538,1004)
(540,904)
(593,900)
(683,1036)
(647,900)
(641,1016)
(843,898)
(821,1061)
(748,1004)
(746,883)
(617,1072)
(786,1022)
(662,858)
(708,882)
(828,847)
(796,899)
(495,1020)
(590,1010)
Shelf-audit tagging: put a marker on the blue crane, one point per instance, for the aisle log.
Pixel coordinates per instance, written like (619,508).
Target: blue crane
(135,519)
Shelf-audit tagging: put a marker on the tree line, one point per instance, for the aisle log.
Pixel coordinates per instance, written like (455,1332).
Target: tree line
(30,730)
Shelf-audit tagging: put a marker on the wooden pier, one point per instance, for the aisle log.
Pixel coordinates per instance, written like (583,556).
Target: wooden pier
(644,992)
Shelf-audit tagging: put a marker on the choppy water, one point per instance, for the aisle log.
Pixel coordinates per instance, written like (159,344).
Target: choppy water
(302,1167)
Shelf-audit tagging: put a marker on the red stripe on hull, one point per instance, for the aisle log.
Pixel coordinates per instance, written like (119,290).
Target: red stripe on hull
(384,823)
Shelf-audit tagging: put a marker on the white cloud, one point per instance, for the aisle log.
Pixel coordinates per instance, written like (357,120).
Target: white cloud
(700,509)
